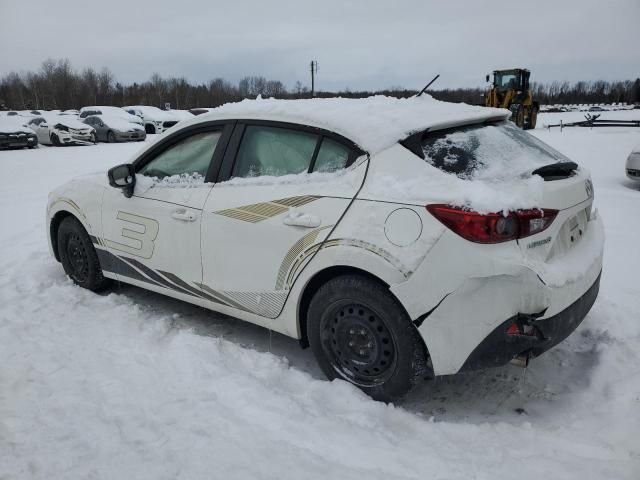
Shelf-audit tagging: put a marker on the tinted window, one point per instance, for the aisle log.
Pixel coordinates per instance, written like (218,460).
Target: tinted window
(189,156)
(274,151)
(487,151)
(332,156)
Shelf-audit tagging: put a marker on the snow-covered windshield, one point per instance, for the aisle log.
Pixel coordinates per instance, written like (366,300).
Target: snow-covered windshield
(487,151)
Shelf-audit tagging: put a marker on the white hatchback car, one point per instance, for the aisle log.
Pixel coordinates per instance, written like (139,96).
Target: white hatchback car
(399,238)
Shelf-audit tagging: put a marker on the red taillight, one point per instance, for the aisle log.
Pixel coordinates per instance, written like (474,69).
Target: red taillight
(493,227)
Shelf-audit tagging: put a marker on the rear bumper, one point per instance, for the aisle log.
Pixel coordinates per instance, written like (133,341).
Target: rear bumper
(499,347)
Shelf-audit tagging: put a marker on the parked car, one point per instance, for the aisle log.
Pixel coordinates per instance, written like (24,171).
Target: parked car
(14,134)
(181,115)
(110,111)
(597,109)
(61,130)
(399,238)
(72,112)
(155,120)
(115,129)
(632,167)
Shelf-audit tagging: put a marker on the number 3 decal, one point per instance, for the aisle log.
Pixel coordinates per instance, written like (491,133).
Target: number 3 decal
(138,235)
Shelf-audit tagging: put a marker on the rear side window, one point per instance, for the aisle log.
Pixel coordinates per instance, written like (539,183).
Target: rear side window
(190,156)
(274,151)
(332,156)
(487,151)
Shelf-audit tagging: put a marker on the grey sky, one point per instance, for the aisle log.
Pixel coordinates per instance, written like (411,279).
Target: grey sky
(358,44)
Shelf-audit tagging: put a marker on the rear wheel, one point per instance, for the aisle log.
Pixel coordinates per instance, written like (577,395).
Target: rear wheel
(78,257)
(359,333)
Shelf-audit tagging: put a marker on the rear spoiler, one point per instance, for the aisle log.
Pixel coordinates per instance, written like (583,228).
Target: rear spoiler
(413,142)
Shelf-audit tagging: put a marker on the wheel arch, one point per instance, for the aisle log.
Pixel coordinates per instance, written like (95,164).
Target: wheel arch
(54,224)
(320,278)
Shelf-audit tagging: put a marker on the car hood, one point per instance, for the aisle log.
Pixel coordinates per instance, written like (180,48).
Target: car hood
(9,125)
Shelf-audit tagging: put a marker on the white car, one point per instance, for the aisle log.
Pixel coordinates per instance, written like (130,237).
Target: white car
(155,120)
(399,238)
(109,111)
(632,167)
(61,130)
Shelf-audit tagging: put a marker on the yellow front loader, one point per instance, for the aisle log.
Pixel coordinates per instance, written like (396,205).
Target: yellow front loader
(510,89)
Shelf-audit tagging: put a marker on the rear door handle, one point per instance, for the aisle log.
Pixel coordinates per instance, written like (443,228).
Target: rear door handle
(184,215)
(301,219)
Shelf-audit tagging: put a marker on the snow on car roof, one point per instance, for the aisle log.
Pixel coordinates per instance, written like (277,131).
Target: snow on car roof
(374,123)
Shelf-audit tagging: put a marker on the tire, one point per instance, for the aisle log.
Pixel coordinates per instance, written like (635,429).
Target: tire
(533,118)
(55,140)
(94,139)
(517,115)
(150,129)
(358,332)
(78,257)
(111,138)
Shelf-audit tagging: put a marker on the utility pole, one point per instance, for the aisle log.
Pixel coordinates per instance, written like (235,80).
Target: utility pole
(314,70)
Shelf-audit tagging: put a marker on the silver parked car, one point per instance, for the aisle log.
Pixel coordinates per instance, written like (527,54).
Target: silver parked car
(632,166)
(114,129)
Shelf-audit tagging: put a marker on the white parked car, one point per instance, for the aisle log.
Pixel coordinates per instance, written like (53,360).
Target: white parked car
(61,130)
(155,120)
(399,238)
(109,111)
(632,167)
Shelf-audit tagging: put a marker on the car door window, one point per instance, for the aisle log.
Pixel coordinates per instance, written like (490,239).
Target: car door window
(274,151)
(189,156)
(332,156)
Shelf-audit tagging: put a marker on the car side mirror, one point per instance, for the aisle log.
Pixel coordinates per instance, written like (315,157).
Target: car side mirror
(123,177)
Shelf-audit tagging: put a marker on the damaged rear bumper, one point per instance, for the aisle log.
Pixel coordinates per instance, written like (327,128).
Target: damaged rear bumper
(501,345)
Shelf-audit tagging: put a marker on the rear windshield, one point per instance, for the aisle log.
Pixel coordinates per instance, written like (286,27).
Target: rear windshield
(487,151)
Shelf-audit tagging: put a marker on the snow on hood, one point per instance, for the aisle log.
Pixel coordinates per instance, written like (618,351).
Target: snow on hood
(14,124)
(119,123)
(374,123)
(67,120)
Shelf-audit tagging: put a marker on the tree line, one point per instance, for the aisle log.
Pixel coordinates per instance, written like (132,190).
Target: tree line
(56,85)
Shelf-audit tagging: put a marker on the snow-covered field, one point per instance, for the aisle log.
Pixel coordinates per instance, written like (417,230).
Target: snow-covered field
(132,385)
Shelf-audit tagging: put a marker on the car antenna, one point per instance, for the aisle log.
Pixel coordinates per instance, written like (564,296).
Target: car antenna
(428,85)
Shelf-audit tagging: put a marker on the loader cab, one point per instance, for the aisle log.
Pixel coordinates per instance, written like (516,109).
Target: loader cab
(516,79)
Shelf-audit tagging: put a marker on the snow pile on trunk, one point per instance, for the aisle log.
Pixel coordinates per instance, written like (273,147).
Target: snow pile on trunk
(374,123)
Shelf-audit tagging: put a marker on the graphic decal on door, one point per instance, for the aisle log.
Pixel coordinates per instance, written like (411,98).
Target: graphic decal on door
(137,236)
(257,212)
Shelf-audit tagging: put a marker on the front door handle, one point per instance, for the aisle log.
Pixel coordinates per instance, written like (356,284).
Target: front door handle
(184,215)
(301,219)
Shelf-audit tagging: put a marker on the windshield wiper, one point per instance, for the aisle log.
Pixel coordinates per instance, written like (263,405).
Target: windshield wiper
(556,171)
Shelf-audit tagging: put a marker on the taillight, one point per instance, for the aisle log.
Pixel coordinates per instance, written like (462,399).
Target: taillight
(493,227)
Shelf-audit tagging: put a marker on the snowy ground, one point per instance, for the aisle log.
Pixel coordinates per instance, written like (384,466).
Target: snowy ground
(133,385)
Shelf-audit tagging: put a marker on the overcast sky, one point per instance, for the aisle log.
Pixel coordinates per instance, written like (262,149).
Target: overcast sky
(358,44)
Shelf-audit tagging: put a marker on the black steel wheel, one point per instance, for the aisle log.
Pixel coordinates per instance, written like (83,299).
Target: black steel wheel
(78,256)
(360,333)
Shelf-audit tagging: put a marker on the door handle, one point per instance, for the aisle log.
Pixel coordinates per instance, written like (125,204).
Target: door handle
(184,215)
(301,219)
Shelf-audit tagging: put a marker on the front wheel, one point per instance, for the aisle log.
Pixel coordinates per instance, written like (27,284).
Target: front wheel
(78,257)
(358,332)
(55,140)
(111,138)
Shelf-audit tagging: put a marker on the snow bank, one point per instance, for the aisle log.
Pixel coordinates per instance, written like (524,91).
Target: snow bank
(374,123)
